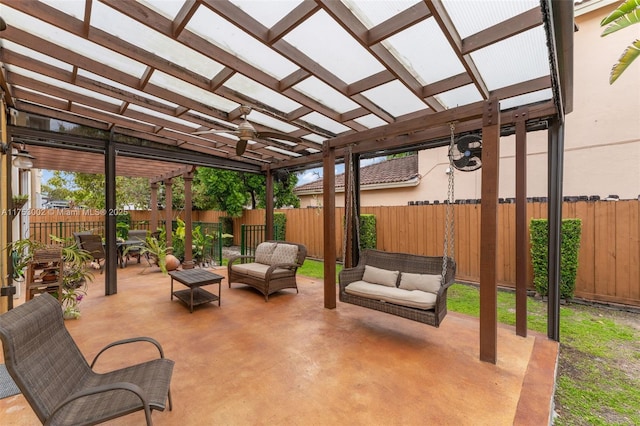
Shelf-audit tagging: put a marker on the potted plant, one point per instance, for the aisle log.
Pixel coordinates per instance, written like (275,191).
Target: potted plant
(157,253)
(76,274)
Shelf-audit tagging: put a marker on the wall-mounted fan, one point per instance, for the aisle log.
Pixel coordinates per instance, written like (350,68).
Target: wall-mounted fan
(466,153)
(245,132)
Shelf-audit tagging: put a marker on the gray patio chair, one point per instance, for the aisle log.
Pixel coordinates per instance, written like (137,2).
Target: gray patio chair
(93,244)
(135,250)
(59,384)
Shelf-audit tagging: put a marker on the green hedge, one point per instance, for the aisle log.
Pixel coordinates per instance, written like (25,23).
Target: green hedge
(367,231)
(569,247)
(280,224)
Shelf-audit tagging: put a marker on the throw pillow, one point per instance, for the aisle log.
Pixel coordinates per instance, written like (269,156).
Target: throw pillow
(380,276)
(264,253)
(284,253)
(424,282)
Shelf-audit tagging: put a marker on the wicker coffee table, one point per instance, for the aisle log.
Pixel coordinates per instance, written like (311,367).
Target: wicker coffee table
(195,279)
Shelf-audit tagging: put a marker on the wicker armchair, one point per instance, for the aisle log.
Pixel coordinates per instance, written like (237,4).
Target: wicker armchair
(57,381)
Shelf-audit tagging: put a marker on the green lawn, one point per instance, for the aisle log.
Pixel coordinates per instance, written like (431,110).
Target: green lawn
(598,379)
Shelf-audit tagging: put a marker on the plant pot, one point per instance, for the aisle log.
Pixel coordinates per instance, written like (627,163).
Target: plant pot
(70,315)
(19,204)
(172,262)
(49,277)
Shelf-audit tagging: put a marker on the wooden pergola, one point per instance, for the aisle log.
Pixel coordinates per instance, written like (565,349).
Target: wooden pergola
(375,77)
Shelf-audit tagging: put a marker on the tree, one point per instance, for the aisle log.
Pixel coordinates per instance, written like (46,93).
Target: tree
(628,13)
(233,191)
(221,190)
(58,186)
(88,190)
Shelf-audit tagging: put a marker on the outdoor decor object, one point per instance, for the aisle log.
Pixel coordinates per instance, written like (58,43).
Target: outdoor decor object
(58,383)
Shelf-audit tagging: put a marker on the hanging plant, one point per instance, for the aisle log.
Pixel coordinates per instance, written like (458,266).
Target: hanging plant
(19,201)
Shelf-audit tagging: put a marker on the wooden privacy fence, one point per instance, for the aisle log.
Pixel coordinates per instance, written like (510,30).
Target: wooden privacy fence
(608,262)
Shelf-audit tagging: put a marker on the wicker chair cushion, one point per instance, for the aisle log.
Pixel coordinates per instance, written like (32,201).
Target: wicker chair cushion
(422,282)
(284,253)
(380,276)
(259,270)
(412,298)
(264,252)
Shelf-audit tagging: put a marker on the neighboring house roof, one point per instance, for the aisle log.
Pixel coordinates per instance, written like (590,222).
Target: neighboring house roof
(385,174)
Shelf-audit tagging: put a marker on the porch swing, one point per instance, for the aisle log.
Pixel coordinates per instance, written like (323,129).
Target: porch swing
(406,285)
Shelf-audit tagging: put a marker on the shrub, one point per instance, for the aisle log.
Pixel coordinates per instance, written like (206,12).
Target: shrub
(280,226)
(569,247)
(368,231)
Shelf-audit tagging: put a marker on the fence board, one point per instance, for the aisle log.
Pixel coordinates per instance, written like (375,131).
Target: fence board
(584,279)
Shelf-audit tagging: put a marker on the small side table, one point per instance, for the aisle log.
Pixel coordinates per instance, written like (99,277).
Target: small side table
(195,279)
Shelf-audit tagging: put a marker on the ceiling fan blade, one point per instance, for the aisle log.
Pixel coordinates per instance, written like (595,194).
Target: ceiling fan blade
(213,131)
(276,135)
(241,146)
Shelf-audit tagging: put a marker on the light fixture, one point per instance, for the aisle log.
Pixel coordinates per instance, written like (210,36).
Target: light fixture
(23,159)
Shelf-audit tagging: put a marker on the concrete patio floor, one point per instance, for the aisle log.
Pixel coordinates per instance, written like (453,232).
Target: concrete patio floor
(291,362)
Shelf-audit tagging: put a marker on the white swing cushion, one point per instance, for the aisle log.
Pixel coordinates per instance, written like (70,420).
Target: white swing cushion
(411,298)
(380,276)
(424,282)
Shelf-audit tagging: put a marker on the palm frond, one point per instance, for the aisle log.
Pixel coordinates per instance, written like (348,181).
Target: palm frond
(625,8)
(628,56)
(624,21)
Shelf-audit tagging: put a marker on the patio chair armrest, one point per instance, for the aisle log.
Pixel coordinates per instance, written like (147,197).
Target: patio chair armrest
(131,387)
(349,275)
(130,340)
(291,266)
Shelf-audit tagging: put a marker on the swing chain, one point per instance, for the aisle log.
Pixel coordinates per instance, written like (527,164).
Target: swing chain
(449,228)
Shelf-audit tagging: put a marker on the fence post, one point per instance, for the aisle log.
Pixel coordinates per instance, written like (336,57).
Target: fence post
(242,240)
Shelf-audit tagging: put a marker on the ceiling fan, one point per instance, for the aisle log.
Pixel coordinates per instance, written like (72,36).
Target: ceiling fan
(246,132)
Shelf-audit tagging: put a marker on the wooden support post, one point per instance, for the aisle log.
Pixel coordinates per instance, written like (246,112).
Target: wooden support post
(168,212)
(188,222)
(269,206)
(522,229)
(111,263)
(489,232)
(329,221)
(153,222)
(5,205)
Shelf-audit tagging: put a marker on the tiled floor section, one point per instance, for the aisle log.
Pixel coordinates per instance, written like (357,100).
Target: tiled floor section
(292,362)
